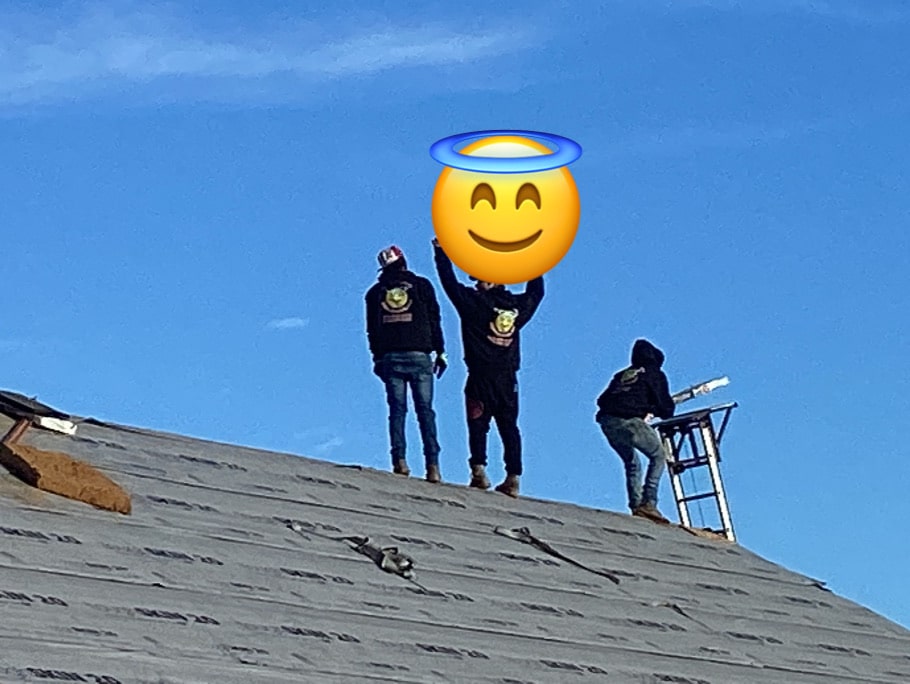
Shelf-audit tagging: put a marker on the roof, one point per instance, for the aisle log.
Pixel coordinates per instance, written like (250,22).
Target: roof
(205,581)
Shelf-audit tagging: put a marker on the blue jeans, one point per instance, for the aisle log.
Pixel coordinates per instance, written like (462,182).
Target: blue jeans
(626,435)
(400,370)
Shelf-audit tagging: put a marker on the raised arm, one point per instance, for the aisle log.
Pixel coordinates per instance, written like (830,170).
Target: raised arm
(530,298)
(455,291)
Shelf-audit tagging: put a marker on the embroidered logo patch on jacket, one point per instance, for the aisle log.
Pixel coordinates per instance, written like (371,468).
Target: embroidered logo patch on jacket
(503,327)
(396,303)
(628,378)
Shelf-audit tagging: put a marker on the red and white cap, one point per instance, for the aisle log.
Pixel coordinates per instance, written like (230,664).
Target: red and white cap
(389,256)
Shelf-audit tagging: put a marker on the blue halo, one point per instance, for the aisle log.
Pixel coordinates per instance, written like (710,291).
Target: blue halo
(567,151)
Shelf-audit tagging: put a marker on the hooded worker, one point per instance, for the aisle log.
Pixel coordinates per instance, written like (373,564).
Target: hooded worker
(636,394)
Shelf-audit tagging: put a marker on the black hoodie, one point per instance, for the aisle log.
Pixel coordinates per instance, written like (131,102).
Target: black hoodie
(490,319)
(640,389)
(403,314)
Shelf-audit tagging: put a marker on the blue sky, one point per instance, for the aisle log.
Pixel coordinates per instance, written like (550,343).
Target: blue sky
(194,194)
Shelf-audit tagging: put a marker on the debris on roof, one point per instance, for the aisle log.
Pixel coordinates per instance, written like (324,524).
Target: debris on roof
(523,534)
(60,474)
(53,471)
(387,558)
(67,427)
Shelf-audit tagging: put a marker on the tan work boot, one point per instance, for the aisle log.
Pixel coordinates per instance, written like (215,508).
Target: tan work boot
(433,474)
(401,468)
(650,512)
(509,486)
(479,479)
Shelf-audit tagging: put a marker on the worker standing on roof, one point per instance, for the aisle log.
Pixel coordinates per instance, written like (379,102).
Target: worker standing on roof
(403,329)
(491,320)
(634,396)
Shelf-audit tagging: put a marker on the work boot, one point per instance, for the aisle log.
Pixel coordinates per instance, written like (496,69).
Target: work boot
(509,486)
(433,474)
(479,479)
(650,512)
(401,468)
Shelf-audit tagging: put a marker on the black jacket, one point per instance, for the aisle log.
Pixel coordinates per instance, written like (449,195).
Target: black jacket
(491,320)
(403,314)
(641,388)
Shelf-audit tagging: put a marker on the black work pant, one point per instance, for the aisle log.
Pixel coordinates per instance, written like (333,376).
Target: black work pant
(493,395)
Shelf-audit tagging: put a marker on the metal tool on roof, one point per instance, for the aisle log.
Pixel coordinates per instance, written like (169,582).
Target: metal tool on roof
(523,534)
(387,558)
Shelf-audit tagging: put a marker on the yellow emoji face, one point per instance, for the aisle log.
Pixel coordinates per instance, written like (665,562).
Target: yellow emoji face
(505,228)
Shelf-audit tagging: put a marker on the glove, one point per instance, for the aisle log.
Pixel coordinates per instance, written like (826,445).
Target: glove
(377,367)
(440,364)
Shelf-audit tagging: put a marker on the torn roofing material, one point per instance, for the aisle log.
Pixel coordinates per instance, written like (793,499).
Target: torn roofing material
(239,565)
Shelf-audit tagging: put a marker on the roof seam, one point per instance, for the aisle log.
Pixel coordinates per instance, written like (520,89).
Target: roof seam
(628,598)
(434,525)
(750,664)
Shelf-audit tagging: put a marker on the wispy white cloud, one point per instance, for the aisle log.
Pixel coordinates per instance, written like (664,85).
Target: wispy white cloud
(855,11)
(326,447)
(100,49)
(291,323)
(319,441)
(684,139)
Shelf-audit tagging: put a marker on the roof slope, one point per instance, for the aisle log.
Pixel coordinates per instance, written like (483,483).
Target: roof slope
(205,582)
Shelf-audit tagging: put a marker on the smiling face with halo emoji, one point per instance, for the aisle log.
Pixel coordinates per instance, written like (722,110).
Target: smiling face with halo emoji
(505,228)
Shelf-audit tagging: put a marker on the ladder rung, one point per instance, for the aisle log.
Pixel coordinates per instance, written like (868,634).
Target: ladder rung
(692,462)
(681,466)
(696,497)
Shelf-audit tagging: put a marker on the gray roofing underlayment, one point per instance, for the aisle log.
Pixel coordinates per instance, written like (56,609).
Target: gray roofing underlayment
(206,581)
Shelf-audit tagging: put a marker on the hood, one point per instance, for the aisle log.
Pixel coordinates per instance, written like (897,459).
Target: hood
(646,354)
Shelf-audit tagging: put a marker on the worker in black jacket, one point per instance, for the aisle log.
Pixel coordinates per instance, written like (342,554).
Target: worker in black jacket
(403,329)
(491,320)
(634,396)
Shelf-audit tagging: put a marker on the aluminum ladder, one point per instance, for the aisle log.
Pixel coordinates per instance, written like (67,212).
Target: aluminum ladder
(691,441)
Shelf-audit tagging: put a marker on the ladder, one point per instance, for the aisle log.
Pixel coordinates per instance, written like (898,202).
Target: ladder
(691,441)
